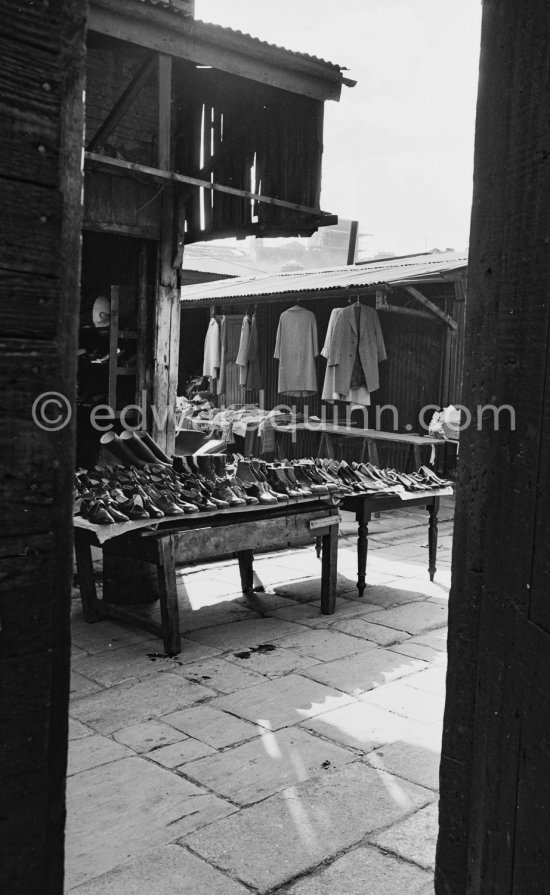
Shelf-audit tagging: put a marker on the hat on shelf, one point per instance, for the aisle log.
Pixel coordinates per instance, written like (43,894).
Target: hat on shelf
(101,312)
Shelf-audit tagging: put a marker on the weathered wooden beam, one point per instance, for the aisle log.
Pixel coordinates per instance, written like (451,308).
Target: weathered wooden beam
(166,337)
(412,290)
(123,104)
(161,174)
(223,49)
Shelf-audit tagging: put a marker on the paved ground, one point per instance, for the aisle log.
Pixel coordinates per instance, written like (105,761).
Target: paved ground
(282,750)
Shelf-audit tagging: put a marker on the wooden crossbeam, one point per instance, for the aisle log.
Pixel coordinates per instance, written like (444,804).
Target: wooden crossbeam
(429,304)
(125,102)
(172,176)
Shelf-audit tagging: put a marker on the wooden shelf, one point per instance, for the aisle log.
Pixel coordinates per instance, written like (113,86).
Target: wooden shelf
(126,371)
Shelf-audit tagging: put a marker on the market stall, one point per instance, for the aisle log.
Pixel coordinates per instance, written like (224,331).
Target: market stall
(373,347)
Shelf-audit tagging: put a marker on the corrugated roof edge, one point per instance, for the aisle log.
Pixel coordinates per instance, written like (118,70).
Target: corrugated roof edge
(169,7)
(325,280)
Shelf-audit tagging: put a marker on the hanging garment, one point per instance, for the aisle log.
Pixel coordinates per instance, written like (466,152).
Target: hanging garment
(356,346)
(212,354)
(248,355)
(242,355)
(296,348)
(355,396)
(223,351)
(254,373)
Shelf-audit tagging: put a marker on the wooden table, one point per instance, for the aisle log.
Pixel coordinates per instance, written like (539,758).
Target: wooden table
(205,536)
(332,435)
(364,505)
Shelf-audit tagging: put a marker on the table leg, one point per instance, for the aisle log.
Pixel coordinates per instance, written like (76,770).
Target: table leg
(86,580)
(433,509)
(362,550)
(249,580)
(168,595)
(329,570)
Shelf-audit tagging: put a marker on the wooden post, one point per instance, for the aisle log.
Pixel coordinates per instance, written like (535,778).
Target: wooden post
(42,72)
(166,339)
(494,780)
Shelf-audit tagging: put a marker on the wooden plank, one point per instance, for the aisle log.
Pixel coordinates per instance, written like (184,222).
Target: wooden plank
(257,535)
(207,45)
(126,100)
(93,158)
(29,302)
(412,290)
(35,222)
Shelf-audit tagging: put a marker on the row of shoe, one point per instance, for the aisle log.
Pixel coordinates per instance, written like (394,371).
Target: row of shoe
(115,494)
(305,477)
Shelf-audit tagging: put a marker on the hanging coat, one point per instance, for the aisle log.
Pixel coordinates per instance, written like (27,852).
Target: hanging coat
(347,342)
(296,347)
(212,354)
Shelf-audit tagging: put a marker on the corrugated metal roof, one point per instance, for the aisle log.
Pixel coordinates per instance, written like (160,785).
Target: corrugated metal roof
(350,277)
(179,9)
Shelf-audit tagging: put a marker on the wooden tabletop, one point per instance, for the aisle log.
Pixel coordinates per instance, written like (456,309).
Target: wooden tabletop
(355,432)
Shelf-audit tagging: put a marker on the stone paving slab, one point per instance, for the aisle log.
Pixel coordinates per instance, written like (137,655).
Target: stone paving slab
(308,614)
(148,735)
(273,663)
(431,681)
(243,634)
(136,661)
(82,686)
(217,673)
(398,697)
(324,644)
(91,752)
(119,810)
(268,764)
(436,640)
(178,754)
(212,726)
(414,838)
(364,871)
(77,653)
(372,667)
(386,596)
(128,704)
(168,870)
(420,651)
(103,636)
(77,730)
(413,618)
(367,630)
(364,727)
(417,762)
(306,824)
(282,702)
(308,589)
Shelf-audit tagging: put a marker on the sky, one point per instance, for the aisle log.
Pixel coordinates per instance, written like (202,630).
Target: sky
(398,147)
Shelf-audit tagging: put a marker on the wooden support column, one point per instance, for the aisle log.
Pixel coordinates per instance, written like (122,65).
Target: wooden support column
(42,115)
(167,318)
(494,780)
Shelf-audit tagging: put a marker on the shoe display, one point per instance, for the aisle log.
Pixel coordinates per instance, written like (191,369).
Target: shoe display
(150,489)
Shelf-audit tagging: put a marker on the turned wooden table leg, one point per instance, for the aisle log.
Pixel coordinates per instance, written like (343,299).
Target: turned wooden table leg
(329,570)
(362,550)
(168,595)
(433,510)
(86,580)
